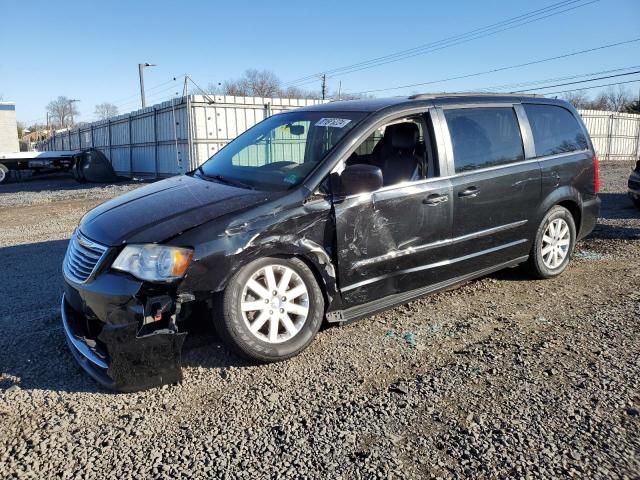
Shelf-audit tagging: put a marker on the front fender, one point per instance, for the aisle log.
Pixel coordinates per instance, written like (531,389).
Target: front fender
(306,232)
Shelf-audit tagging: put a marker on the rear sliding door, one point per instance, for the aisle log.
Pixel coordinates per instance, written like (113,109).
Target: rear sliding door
(495,188)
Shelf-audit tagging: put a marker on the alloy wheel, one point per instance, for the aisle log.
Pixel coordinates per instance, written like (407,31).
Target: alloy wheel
(555,243)
(275,303)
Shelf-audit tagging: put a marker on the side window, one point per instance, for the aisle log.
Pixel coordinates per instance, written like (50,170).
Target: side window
(368,146)
(399,148)
(555,130)
(484,137)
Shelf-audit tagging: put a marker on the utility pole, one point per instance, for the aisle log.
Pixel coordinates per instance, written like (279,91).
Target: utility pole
(141,67)
(324,85)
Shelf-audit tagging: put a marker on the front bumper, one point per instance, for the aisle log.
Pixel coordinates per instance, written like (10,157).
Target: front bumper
(104,324)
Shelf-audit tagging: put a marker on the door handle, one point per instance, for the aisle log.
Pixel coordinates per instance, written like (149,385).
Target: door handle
(469,192)
(435,199)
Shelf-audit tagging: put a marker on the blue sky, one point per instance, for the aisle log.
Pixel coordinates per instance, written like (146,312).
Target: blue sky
(89,50)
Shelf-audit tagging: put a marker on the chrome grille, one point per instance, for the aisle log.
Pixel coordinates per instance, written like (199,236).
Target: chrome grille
(82,258)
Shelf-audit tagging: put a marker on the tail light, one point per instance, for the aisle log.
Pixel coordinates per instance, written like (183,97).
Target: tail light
(596,173)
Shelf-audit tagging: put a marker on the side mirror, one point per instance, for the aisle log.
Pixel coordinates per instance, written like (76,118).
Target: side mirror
(360,178)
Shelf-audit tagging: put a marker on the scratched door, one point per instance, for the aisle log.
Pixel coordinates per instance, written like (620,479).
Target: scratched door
(393,240)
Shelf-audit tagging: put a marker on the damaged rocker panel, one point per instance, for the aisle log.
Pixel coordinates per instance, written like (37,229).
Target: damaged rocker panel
(434,265)
(411,250)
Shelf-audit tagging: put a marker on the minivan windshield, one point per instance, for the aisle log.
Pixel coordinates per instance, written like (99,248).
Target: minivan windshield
(279,152)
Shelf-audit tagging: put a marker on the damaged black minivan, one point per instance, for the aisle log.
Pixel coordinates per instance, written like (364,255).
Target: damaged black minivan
(330,212)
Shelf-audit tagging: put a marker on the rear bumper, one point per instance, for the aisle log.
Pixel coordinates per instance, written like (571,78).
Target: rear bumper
(106,334)
(590,213)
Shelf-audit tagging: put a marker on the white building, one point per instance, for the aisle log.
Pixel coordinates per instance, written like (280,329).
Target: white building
(8,128)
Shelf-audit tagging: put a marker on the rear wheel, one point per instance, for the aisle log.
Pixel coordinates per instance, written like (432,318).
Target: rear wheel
(4,173)
(554,243)
(272,309)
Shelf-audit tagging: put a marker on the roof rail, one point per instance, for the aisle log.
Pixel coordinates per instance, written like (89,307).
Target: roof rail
(428,96)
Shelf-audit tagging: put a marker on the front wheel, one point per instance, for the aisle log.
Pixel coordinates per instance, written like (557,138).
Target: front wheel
(554,243)
(272,309)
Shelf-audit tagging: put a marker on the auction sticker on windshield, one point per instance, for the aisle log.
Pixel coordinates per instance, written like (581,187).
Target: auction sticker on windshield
(332,122)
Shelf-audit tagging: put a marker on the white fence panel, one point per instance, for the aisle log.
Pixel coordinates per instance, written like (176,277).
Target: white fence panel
(615,136)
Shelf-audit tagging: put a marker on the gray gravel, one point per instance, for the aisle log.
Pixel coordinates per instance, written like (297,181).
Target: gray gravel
(503,377)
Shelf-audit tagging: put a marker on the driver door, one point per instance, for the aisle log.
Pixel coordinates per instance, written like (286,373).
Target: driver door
(394,239)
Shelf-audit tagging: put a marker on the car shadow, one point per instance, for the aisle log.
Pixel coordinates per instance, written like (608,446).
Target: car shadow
(33,351)
(617,206)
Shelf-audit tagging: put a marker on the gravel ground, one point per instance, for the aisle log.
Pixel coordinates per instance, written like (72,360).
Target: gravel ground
(503,377)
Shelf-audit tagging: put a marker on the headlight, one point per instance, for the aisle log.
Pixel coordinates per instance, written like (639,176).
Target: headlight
(155,263)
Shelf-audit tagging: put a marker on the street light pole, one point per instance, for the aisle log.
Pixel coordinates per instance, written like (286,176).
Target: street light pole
(141,74)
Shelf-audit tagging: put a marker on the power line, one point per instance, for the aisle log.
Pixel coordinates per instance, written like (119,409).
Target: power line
(593,86)
(511,86)
(492,29)
(137,95)
(501,69)
(151,98)
(576,82)
(436,43)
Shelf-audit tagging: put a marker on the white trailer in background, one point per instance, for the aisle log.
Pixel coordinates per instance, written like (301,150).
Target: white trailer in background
(36,161)
(173,137)
(8,128)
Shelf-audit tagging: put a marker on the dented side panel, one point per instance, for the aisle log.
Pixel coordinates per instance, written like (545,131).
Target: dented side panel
(223,247)
(382,237)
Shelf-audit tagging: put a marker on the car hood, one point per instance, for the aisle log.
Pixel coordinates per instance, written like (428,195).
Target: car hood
(161,210)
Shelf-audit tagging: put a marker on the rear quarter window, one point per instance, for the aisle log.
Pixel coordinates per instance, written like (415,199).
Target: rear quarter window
(555,130)
(484,137)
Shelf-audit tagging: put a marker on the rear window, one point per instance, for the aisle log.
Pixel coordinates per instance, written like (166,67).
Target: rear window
(484,137)
(555,130)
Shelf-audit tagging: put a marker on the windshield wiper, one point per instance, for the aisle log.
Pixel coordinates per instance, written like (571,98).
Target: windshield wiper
(226,180)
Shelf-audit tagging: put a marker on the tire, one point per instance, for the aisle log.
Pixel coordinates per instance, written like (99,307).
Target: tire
(245,309)
(4,173)
(545,264)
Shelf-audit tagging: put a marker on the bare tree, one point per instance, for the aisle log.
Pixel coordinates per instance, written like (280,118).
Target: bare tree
(256,83)
(235,87)
(578,99)
(599,103)
(105,110)
(633,107)
(261,83)
(617,98)
(214,89)
(61,111)
(297,92)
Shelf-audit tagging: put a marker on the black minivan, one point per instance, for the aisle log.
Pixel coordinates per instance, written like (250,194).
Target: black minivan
(331,212)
